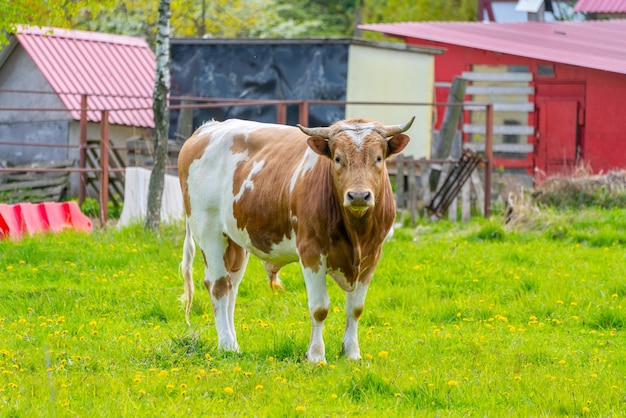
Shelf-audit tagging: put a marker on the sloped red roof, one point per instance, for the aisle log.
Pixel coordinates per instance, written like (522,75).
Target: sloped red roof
(592,44)
(601,6)
(116,72)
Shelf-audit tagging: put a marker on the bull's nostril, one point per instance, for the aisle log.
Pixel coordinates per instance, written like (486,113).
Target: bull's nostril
(361,197)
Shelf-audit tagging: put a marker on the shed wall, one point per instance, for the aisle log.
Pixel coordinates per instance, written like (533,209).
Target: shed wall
(383,75)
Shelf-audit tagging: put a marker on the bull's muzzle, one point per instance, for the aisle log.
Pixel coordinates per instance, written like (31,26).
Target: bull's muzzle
(358,202)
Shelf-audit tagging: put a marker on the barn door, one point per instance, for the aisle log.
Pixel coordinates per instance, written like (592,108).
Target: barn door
(558,139)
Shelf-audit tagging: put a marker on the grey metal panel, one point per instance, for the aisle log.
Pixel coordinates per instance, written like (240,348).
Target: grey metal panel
(515,148)
(500,129)
(500,90)
(484,76)
(501,107)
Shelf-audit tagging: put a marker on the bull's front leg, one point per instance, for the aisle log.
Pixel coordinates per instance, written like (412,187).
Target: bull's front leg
(354,308)
(319,303)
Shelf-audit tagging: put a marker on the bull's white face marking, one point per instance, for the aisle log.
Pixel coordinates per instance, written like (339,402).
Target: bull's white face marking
(358,132)
(248,184)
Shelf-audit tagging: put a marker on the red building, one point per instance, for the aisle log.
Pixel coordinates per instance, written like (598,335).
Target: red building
(558,88)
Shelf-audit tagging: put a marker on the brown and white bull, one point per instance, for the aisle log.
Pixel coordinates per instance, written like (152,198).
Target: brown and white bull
(320,196)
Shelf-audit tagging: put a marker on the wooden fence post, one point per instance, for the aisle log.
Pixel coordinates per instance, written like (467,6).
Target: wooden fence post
(303,113)
(82,151)
(281,113)
(488,158)
(104,167)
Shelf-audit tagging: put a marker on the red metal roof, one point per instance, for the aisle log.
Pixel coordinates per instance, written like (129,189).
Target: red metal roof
(601,6)
(592,44)
(116,72)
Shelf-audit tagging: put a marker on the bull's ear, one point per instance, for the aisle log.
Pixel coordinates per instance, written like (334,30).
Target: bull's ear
(396,144)
(319,145)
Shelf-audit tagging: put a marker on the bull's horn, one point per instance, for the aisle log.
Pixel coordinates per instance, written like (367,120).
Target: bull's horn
(392,130)
(323,132)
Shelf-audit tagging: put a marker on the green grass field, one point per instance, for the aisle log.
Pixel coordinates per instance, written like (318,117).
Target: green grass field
(460,320)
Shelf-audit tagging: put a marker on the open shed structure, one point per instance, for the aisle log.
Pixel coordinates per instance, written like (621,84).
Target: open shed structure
(558,88)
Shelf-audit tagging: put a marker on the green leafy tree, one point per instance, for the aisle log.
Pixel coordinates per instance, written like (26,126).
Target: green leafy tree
(381,11)
(62,13)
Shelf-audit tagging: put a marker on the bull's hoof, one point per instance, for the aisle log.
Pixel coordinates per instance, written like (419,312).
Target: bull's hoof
(229,347)
(316,355)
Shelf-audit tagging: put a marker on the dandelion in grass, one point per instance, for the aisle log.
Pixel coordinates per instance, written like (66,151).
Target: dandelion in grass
(237,369)
(452,383)
(169,386)
(258,387)
(300,408)
(228,390)
(383,354)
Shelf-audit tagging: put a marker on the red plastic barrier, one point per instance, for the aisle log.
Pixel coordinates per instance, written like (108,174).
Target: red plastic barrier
(19,219)
(10,221)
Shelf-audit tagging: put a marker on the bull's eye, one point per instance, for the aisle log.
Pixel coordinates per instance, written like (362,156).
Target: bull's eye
(337,159)
(379,159)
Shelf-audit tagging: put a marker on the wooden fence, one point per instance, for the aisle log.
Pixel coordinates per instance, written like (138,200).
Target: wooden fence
(413,193)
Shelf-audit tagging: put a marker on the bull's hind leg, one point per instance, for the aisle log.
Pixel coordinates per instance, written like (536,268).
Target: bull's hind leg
(236,260)
(220,260)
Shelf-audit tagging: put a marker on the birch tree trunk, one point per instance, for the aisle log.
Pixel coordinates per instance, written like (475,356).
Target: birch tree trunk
(161,117)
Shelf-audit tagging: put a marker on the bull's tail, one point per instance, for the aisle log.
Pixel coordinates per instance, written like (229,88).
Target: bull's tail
(189,251)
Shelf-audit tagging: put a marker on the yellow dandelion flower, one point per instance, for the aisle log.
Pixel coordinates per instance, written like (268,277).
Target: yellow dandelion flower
(93,323)
(453,383)
(169,386)
(368,356)
(300,408)
(336,309)
(183,386)
(163,373)
(383,354)
(397,395)
(258,387)
(228,390)
(237,369)
(562,362)
(586,410)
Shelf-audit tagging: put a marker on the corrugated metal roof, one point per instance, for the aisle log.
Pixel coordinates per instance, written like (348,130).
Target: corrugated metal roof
(116,72)
(592,44)
(601,6)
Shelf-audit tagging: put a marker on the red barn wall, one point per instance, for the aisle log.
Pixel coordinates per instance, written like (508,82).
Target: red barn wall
(603,107)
